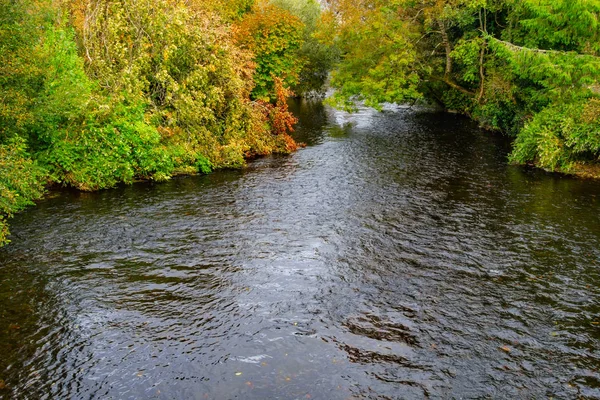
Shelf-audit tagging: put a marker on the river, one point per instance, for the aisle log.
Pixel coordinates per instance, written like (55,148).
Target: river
(397,256)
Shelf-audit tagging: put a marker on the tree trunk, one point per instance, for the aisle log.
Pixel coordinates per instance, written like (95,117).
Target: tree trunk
(447,47)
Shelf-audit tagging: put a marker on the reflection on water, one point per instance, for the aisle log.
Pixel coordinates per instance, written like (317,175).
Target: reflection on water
(397,256)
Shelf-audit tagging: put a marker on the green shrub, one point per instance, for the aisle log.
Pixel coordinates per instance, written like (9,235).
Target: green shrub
(560,136)
(21,182)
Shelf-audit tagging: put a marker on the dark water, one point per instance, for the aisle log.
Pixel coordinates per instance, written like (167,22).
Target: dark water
(396,257)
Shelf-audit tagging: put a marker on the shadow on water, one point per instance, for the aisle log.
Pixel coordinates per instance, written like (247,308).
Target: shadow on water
(396,256)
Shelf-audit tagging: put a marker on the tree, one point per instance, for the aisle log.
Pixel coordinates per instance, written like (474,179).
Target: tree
(274,36)
(504,63)
(317,58)
(377,52)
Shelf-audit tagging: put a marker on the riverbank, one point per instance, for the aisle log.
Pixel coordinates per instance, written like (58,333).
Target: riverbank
(25,179)
(92,103)
(584,170)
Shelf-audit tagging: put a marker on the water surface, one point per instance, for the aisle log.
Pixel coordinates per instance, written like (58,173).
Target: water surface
(397,256)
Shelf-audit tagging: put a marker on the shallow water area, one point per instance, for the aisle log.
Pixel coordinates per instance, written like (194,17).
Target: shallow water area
(397,256)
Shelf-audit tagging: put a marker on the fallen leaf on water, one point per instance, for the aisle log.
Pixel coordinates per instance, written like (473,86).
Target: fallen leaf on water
(287,379)
(249,384)
(264,363)
(140,374)
(238,373)
(505,348)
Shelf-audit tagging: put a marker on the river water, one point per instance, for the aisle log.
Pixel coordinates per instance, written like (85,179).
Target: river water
(397,256)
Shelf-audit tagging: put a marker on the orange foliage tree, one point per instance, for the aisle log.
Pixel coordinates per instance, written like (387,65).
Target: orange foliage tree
(274,36)
(281,119)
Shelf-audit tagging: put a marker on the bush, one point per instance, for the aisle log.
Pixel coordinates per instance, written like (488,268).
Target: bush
(560,136)
(21,182)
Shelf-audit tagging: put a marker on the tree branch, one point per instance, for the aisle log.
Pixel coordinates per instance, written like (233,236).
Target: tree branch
(514,47)
(448,47)
(454,85)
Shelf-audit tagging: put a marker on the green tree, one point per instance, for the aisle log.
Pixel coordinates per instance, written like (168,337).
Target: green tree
(508,64)
(317,58)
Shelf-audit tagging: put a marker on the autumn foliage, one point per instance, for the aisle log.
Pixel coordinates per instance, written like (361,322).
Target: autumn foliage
(99,92)
(281,119)
(273,35)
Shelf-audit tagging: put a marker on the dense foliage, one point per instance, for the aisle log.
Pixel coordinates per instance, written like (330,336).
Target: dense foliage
(101,92)
(530,68)
(315,57)
(274,36)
